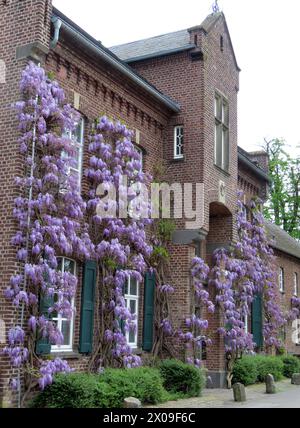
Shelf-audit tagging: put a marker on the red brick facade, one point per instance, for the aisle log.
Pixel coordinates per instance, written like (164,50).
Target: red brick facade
(94,87)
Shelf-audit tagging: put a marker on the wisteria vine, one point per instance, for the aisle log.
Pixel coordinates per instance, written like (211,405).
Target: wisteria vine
(121,247)
(49,213)
(239,275)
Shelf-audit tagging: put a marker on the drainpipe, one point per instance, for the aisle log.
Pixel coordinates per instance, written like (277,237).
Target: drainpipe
(57,25)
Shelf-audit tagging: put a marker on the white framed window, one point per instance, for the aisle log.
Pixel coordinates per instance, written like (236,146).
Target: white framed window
(221,132)
(298,332)
(246,322)
(296,284)
(65,325)
(281,280)
(178,142)
(77,138)
(132,303)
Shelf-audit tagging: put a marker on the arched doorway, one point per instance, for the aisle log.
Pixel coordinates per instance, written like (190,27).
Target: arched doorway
(220,235)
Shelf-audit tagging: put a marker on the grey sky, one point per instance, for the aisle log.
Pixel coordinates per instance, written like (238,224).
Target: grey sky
(265,35)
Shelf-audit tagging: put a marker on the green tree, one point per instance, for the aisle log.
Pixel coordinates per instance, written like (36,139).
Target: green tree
(283,206)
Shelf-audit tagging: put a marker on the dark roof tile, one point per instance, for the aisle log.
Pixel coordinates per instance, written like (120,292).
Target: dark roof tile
(153,46)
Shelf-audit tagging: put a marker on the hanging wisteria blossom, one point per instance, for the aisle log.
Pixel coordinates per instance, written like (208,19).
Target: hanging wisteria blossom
(121,247)
(50,217)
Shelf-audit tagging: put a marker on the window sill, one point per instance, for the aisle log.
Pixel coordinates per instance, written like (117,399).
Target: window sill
(67,355)
(177,160)
(137,351)
(222,170)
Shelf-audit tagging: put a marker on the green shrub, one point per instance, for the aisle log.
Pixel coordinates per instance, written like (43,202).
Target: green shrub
(181,378)
(291,365)
(143,383)
(108,390)
(245,371)
(269,365)
(74,390)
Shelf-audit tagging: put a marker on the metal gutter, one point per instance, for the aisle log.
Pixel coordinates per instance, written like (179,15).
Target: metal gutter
(107,56)
(162,53)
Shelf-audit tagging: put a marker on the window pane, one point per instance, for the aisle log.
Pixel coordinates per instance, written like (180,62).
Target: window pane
(226,149)
(133,307)
(218,108)
(69,266)
(78,132)
(76,158)
(133,287)
(225,118)
(126,288)
(132,337)
(218,145)
(66,331)
(59,264)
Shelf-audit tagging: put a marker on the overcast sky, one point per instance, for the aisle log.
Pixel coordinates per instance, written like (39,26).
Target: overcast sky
(265,35)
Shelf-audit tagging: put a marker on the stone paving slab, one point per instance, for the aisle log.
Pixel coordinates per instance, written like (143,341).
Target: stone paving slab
(288,396)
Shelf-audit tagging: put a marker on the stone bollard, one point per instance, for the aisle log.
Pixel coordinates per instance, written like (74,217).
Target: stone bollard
(296,379)
(209,383)
(270,384)
(132,403)
(239,393)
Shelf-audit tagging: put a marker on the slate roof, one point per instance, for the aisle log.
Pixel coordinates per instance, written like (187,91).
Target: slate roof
(282,240)
(155,46)
(164,44)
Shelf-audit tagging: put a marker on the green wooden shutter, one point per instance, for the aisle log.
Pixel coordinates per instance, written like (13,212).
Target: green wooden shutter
(43,346)
(87,308)
(149,293)
(257,321)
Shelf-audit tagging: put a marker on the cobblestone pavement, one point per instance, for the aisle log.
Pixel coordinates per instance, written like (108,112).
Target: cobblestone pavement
(287,396)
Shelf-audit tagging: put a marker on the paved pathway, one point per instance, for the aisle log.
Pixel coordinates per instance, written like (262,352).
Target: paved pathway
(288,396)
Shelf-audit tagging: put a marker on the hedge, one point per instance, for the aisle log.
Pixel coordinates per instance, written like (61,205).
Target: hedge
(269,365)
(181,378)
(251,369)
(245,371)
(143,383)
(74,390)
(291,365)
(171,380)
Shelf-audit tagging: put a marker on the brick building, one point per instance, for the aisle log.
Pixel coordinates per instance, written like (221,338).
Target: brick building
(179,93)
